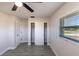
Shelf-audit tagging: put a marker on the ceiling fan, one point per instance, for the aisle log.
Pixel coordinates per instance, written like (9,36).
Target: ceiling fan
(19,4)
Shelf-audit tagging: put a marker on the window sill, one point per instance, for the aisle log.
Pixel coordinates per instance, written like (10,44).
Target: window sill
(70,40)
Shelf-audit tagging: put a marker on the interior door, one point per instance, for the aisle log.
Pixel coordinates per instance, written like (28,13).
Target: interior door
(17,32)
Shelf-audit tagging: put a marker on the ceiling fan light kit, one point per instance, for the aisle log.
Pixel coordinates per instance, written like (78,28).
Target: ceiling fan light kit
(20,4)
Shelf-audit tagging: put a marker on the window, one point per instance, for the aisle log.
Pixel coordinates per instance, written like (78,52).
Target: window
(69,27)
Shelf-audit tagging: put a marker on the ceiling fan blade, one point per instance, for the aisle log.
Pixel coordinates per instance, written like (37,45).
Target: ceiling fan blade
(14,8)
(35,2)
(27,7)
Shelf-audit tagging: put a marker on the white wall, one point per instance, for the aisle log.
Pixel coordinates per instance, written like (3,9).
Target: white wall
(61,45)
(7,31)
(39,23)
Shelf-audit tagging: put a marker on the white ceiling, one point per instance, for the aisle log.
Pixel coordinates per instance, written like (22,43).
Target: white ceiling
(44,9)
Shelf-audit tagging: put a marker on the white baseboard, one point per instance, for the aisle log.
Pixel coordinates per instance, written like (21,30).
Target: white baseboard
(48,44)
(4,51)
(10,48)
(53,50)
(29,43)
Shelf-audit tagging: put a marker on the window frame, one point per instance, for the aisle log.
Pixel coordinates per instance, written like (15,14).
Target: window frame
(62,26)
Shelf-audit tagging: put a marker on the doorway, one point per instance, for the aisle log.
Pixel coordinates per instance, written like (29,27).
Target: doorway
(45,33)
(32,33)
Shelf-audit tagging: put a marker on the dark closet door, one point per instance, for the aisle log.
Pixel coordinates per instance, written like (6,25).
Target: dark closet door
(32,33)
(45,33)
